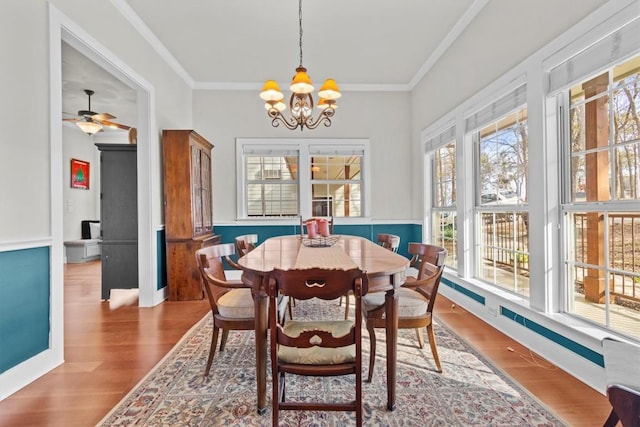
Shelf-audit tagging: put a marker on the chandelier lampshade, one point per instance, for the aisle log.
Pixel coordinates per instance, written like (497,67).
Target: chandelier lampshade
(301,102)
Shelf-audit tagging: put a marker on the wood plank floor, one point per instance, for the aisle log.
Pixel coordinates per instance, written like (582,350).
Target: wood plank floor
(107,352)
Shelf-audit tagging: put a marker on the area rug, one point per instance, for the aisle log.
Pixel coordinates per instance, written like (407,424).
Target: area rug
(469,392)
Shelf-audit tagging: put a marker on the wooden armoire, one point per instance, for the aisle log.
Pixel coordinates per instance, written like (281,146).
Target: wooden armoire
(188,215)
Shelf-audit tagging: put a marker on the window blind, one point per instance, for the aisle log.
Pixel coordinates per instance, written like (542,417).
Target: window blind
(609,50)
(320,150)
(441,139)
(497,109)
(257,150)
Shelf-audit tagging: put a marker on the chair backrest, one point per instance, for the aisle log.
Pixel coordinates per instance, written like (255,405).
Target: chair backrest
(621,363)
(424,252)
(389,241)
(211,269)
(430,269)
(246,243)
(317,283)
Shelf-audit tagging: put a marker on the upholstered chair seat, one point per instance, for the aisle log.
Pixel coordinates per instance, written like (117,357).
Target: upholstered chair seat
(236,304)
(410,302)
(317,355)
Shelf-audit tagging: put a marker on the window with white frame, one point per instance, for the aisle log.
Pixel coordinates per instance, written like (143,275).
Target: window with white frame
(444,226)
(502,217)
(291,178)
(600,199)
(336,181)
(271,178)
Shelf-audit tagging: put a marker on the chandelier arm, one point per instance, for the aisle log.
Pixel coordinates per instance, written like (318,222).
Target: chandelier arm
(277,119)
(324,118)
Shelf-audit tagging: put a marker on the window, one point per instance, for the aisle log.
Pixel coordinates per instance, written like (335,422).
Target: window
(336,182)
(502,218)
(272,185)
(301,178)
(444,227)
(600,203)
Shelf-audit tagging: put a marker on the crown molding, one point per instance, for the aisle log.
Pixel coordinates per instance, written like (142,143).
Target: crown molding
(448,40)
(134,19)
(146,33)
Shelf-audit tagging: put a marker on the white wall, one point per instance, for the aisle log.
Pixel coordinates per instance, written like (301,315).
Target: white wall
(79,204)
(383,118)
(24,144)
(31,213)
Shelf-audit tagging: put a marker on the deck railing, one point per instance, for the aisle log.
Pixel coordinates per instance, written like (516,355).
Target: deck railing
(624,255)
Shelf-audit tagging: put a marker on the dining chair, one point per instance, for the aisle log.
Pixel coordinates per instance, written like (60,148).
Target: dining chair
(622,373)
(416,299)
(231,301)
(246,243)
(388,241)
(316,347)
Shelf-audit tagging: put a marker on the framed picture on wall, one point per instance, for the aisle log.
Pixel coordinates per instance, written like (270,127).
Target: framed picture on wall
(79,174)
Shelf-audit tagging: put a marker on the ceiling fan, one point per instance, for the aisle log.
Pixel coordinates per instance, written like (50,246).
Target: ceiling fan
(91,122)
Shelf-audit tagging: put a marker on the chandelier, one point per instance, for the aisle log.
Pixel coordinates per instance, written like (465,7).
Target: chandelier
(301,102)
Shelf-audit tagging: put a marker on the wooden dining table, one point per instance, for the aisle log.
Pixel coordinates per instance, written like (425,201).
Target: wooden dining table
(385,270)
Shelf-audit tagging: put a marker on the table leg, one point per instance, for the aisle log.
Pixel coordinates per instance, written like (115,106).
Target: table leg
(260,303)
(391,312)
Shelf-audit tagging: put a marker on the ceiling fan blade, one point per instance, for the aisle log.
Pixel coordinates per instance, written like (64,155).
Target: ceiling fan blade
(103,116)
(115,125)
(72,119)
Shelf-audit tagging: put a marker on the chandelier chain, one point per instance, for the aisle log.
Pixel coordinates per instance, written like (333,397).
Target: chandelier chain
(300,27)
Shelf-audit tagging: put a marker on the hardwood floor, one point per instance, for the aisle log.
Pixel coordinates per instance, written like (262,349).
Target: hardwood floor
(107,352)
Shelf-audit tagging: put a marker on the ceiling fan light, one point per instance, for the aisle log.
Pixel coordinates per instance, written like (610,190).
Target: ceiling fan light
(329,90)
(301,82)
(89,127)
(271,91)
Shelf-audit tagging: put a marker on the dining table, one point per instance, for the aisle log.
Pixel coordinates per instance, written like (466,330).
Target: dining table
(385,270)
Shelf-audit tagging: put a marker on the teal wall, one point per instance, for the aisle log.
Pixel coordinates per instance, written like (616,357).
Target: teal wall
(162,260)
(407,232)
(25,293)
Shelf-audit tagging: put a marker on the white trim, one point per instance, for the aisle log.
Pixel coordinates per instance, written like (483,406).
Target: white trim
(75,36)
(130,15)
(303,147)
(448,40)
(545,238)
(581,37)
(606,52)
(344,87)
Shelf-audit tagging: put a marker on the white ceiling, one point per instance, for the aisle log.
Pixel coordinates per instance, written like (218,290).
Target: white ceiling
(363,44)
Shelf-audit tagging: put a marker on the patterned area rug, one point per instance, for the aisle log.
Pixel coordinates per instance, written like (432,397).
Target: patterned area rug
(469,392)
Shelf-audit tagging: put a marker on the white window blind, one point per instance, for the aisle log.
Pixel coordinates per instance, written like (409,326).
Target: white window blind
(614,48)
(499,108)
(441,139)
(323,150)
(275,151)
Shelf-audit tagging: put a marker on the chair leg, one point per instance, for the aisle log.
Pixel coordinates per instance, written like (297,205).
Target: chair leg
(275,403)
(346,307)
(359,397)
(212,350)
(612,421)
(432,344)
(223,341)
(420,337)
(372,350)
